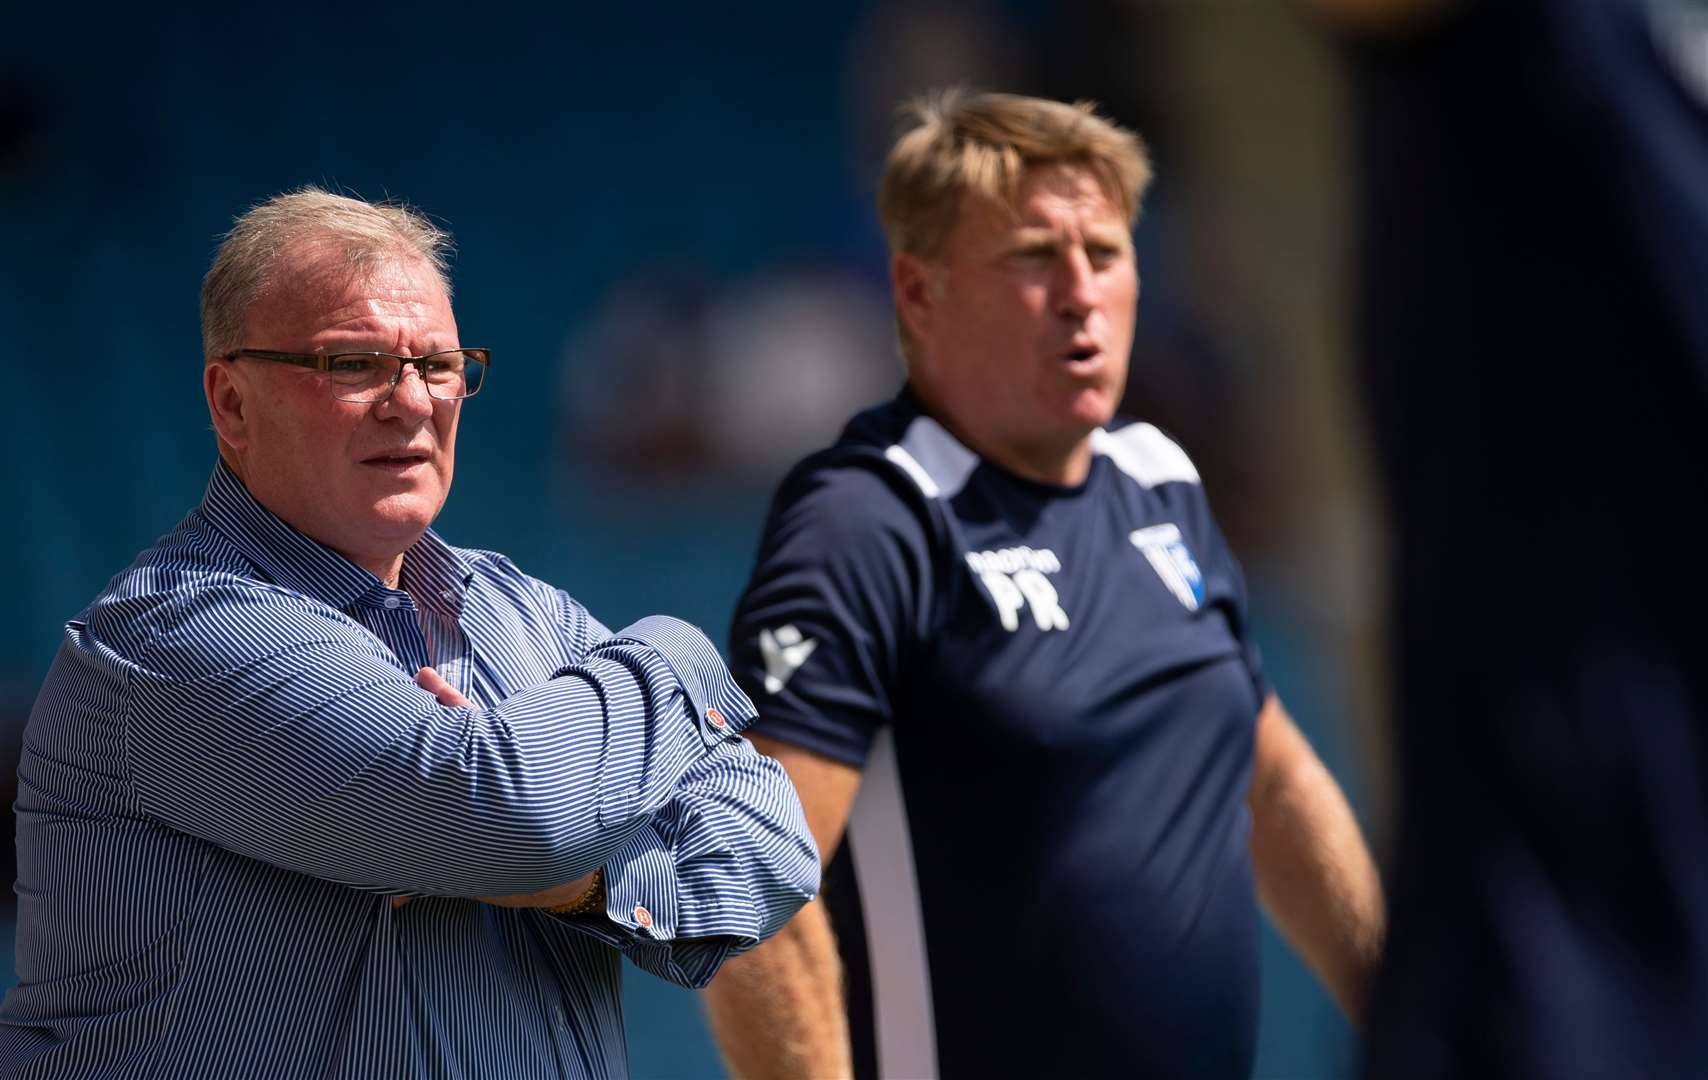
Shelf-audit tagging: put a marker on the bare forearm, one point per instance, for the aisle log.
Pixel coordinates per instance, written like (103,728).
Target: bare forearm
(777,1012)
(1317,880)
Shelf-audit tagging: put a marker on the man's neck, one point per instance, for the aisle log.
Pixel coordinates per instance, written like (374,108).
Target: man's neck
(388,568)
(1064,465)
(389,571)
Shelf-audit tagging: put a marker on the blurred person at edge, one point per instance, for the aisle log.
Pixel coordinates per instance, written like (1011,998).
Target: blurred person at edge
(1534,339)
(302,707)
(1012,627)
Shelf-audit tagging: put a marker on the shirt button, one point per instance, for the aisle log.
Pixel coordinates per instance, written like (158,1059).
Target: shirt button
(448,595)
(715,718)
(562,1020)
(392,603)
(643,916)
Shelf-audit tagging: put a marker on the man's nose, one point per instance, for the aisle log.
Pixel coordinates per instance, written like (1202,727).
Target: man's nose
(1078,290)
(409,397)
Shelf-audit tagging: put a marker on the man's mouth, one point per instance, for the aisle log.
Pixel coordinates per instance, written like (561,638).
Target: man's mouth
(396,461)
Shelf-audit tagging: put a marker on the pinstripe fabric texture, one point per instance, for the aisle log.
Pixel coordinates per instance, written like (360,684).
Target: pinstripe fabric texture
(229,771)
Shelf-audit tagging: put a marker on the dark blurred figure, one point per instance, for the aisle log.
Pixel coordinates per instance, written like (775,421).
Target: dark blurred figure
(1535,334)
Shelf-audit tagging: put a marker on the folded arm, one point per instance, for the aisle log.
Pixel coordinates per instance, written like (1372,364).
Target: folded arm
(267,724)
(720,867)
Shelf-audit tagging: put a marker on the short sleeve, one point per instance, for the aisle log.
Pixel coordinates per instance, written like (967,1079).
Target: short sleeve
(1227,581)
(836,608)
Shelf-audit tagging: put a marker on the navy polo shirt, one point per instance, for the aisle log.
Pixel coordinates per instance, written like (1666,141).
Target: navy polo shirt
(1052,696)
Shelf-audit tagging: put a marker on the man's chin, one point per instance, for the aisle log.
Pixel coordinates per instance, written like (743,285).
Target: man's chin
(404,516)
(1090,411)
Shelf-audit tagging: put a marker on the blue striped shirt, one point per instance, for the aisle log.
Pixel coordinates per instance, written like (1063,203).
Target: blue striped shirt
(230,770)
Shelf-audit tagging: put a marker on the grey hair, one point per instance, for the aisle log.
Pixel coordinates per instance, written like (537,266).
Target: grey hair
(366,235)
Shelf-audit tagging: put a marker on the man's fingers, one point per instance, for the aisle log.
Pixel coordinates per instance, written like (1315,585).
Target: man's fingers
(432,681)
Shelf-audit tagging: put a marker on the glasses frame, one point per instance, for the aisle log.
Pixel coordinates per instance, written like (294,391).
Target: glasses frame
(323,362)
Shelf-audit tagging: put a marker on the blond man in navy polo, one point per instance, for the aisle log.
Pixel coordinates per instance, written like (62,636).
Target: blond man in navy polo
(1001,647)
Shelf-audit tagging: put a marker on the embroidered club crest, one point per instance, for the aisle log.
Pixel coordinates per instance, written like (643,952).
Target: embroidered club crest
(1168,555)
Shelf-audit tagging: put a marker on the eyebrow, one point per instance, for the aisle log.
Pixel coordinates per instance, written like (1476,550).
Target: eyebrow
(1028,236)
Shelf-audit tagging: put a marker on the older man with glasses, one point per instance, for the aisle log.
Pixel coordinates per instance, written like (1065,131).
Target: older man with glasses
(309,791)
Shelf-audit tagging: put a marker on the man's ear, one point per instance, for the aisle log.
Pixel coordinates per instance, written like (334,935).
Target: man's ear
(227,403)
(913,281)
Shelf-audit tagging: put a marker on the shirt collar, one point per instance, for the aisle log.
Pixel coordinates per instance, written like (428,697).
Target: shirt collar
(436,574)
(432,569)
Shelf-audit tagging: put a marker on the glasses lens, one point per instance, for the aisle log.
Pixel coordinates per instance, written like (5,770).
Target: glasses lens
(456,374)
(366,377)
(361,376)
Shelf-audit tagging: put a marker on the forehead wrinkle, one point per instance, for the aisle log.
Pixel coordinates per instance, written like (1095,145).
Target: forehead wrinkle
(375,308)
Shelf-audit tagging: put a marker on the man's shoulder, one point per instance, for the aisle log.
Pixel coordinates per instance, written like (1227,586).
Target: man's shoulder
(192,595)
(862,518)
(848,497)
(185,561)
(1144,454)
(891,463)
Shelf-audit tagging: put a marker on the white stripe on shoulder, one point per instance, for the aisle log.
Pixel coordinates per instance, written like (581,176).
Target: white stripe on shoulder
(932,458)
(914,470)
(1146,455)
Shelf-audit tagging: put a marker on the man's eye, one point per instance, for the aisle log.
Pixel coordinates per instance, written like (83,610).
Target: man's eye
(351,365)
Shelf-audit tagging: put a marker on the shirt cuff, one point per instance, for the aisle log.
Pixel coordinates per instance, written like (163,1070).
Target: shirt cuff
(640,888)
(643,919)
(721,710)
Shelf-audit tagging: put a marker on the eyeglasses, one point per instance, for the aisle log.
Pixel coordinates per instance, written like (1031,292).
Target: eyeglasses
(370,377)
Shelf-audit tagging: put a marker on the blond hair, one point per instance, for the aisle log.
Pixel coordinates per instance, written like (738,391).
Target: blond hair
(963,143)
(364,234)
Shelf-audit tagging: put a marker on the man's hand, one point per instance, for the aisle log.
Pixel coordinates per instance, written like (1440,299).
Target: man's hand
(557,895)
(435,684)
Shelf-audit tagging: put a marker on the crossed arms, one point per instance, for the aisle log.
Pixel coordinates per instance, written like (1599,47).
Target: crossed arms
(305,746)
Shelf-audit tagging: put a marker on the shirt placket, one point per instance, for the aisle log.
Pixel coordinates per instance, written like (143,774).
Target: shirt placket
(448,651)
(573,1060)
(393,619)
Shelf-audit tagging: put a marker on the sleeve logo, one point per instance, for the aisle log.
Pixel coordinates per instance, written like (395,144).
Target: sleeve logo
(1168,555)
(784,650)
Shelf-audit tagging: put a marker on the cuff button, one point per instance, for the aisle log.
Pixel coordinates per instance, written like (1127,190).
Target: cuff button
(715,718)
(643,916)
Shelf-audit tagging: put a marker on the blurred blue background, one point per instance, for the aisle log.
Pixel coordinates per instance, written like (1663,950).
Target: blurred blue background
(665,230)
